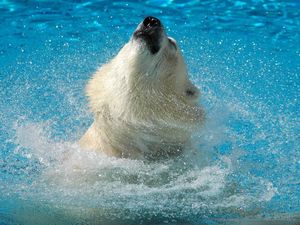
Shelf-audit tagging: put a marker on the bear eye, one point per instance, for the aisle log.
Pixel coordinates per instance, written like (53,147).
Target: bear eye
(190,92)
(172,43)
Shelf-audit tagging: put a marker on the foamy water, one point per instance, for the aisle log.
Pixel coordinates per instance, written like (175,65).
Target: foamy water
(82,185)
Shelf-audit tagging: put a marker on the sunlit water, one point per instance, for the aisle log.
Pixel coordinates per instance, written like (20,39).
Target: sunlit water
(243,55)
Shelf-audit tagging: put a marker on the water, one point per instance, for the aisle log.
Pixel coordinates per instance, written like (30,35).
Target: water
(243,55)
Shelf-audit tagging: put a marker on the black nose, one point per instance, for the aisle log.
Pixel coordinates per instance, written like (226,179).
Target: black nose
(150,31)
(151,22)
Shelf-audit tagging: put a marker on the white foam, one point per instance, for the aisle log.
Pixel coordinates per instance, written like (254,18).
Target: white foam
(75,178)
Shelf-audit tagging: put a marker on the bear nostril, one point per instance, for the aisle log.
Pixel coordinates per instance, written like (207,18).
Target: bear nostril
(151,22)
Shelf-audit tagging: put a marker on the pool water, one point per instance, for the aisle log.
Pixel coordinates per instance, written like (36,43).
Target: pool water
(243,55)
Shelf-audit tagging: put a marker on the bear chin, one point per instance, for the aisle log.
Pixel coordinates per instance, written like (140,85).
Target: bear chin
(144,105)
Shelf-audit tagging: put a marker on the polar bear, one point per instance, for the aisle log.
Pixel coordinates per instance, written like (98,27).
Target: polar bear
(143,103)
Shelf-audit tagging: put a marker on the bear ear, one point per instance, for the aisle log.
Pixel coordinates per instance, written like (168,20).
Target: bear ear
(192,92)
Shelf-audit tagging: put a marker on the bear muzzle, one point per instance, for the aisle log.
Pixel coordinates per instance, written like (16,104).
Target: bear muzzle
(151,32)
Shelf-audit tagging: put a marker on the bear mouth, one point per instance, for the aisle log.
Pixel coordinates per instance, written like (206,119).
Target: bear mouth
(150,31)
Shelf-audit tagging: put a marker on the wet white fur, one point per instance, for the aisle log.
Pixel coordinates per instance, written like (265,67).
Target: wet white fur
(140,105)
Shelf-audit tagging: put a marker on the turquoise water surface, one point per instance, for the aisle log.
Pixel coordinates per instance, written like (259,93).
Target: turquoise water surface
(243,55)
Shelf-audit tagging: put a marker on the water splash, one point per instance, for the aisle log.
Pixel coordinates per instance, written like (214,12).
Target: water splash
(69,180)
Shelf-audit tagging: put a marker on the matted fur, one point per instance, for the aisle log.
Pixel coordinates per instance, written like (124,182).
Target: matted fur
(144,105)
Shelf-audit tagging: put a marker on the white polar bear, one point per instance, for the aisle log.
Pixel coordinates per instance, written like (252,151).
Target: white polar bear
(144,105)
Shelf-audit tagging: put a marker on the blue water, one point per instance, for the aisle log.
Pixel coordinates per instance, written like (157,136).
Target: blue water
(243,55)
